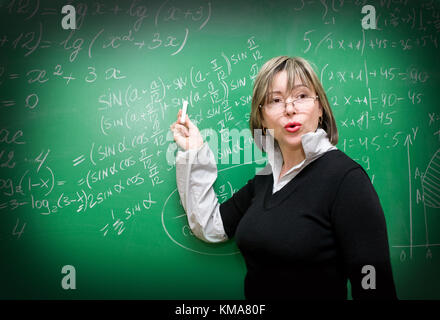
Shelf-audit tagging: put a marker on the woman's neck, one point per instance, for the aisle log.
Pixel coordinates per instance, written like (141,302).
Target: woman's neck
(291,158)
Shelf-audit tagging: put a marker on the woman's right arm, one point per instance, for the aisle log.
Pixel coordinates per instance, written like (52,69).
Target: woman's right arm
(196,172)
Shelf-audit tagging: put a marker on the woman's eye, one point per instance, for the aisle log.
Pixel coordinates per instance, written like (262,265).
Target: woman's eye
(301,96)
(276,100)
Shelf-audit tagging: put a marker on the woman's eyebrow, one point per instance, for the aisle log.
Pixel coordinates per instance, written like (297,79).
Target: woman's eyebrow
(294,87)
(275,92)
(300,85)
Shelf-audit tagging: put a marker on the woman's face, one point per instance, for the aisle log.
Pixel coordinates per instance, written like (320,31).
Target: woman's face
(302,119)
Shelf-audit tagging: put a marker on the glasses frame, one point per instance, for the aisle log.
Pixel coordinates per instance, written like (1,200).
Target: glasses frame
(293,101)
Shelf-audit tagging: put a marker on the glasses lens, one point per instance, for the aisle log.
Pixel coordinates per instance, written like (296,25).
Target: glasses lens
(276,104)
(304,102)
(279,104)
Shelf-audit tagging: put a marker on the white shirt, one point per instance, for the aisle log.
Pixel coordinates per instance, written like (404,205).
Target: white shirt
(315,144)
(195,181)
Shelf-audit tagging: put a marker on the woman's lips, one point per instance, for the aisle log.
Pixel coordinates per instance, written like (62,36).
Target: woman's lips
(292,127)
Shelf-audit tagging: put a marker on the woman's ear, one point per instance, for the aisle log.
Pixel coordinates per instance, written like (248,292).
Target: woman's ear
(320,117)
(262,119)
(263,126)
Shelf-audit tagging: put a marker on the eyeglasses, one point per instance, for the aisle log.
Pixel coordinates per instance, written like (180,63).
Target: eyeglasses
(280,104)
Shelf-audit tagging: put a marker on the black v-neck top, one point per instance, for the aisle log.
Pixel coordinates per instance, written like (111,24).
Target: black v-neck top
(305,240)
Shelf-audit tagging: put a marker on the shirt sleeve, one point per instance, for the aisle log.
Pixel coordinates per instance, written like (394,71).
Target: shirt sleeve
(196,172)
(361,232)
(235,207)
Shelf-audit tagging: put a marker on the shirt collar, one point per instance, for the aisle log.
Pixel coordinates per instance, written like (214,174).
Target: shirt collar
(314,145)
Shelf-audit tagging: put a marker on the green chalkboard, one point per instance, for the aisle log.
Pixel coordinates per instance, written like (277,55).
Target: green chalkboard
(87,177)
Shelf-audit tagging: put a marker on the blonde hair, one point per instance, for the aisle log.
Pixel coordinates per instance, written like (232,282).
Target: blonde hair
(295,67)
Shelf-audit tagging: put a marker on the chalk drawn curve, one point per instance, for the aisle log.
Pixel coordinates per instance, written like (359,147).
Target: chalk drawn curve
(181,245)
(431,182)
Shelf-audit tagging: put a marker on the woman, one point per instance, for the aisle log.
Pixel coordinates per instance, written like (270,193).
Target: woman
(311,219)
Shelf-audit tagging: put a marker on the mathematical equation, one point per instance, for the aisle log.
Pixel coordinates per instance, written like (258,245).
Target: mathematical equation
(194,18)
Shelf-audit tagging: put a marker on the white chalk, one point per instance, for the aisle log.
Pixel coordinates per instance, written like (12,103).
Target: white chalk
(185,106)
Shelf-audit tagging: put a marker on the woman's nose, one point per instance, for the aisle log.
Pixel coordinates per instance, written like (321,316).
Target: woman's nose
(290,107)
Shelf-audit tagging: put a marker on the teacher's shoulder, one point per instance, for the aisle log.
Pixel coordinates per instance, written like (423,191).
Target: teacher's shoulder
(338,163)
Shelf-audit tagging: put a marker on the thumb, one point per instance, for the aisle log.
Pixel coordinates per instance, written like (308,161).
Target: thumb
(189,124)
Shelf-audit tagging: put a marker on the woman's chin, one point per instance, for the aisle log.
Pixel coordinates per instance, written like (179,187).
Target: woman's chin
(291,141)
